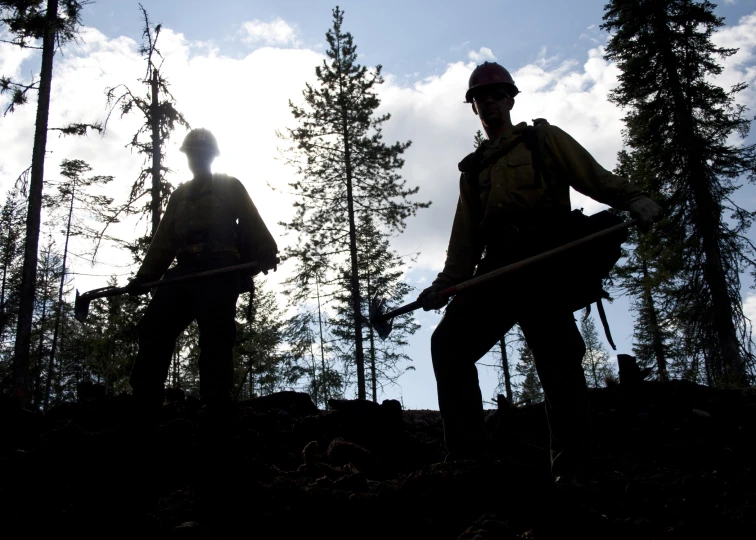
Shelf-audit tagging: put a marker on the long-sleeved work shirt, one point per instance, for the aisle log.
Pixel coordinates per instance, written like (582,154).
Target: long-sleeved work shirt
(201,218)
(507,190)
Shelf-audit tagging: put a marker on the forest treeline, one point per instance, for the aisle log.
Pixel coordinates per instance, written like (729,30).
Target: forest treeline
(683,276)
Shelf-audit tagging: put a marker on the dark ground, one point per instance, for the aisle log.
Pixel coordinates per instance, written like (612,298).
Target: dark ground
(669,461)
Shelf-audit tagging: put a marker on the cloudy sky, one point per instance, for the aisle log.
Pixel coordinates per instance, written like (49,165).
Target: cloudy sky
(234,66)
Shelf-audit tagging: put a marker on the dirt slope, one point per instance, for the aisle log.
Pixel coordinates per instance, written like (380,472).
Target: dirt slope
(671,461)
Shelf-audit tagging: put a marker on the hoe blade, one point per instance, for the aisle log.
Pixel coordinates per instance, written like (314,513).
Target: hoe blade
(381,325)
(81,307)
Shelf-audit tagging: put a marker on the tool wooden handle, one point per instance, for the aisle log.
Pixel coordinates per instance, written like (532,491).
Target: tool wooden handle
(400,311)
(541,257)
(200,275)
(115,291)
(514,267)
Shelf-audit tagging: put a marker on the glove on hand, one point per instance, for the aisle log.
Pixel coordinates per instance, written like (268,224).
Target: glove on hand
(135,288)
(268,261)
(646,212)
(430,299)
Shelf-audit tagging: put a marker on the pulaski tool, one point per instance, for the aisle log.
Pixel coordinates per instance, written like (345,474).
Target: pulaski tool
(81,306)
(383,322)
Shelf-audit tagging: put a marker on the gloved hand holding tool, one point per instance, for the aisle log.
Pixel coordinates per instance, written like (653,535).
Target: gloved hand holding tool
(432,298)
(136,286)
(645,211)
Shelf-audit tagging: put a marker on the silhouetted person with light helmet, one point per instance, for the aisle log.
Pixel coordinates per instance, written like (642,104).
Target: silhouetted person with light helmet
(512,206)
(209,223)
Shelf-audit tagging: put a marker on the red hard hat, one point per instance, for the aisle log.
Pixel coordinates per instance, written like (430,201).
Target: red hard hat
(490,73)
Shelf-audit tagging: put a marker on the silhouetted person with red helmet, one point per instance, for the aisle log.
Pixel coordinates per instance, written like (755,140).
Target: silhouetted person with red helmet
(512,206)
(209,223)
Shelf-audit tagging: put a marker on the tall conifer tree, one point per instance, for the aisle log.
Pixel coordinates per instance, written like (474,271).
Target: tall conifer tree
(380,274)
(345,168)
(595,360)
(49,23)
(67,205)
(679,123)
(161,117)
(528,388)
(11,249)
(644,274)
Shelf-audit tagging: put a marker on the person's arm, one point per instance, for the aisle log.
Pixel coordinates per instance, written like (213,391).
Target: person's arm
(259,243)
(162,249)
(465,247)
(573,163)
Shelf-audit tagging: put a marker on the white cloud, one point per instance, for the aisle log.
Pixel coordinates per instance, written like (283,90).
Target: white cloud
(11,56)
(749,307)
(481,55)
(275,33)
(740,67)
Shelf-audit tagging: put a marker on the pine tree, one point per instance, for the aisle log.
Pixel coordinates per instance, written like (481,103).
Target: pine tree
(643,274)
(158,107)
(505,376)
(596,364)
(261,366)
(528,389)
(72,195)
(52,23)
(12,217)
(345,168)
(380,275)
(48,274)
(678,124)
(308,341)
(309,292)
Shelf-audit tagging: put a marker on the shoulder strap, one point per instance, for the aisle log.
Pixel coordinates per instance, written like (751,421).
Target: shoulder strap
(534,140)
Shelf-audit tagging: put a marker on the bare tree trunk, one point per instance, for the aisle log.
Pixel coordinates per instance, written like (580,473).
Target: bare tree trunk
(33,218)
(42,322)
(372,340)
(356,300)
(706,219)
(314,372)
(505,370)
(156,151)
(2,291)
(108,359)
(322,346)
(658,345)
(60,302)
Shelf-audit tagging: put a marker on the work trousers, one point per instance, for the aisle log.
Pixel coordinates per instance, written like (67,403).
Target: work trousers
(473,323)
(209,301)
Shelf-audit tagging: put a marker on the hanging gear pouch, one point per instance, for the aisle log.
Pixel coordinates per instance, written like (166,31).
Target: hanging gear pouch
(585,268)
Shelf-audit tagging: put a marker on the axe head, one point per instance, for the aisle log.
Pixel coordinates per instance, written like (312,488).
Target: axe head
(81,307)
(381,325)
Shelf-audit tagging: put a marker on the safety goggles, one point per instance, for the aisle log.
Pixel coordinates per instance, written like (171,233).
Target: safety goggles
(482,94)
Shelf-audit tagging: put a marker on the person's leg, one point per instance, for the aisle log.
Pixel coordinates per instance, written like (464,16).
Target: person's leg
(558,349)
(167,315)
(216,317)
(472,324)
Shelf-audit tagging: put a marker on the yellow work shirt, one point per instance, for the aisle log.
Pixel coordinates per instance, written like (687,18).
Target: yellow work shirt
(182,214)
(509,191)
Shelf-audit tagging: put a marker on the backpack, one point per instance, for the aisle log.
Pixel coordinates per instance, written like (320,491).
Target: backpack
(584,268)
